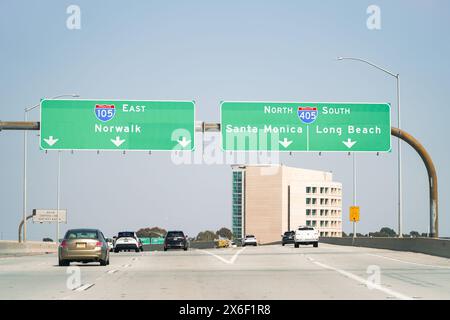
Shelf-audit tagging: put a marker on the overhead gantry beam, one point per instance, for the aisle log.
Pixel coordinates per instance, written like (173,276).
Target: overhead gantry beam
(432,177)
(401,134)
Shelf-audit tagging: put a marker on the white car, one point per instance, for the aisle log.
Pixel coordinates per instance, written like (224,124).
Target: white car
(127,241)
(306,235)
(110,243)
(249,240)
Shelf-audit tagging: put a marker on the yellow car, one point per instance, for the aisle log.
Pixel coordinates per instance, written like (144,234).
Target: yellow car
(83,245)
(222,243)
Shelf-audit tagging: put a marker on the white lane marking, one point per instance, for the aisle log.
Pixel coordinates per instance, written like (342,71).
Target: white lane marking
(126,265)
(408,262)
(231,261)
(112,271)
(367,283)
(84,287)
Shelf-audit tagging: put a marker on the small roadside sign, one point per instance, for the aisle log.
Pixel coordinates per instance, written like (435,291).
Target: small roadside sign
(49,215)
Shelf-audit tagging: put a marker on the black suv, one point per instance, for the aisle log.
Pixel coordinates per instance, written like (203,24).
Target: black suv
(175,240)
(287,237)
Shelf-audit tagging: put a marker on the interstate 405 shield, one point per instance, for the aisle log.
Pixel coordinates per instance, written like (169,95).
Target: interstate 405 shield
(75,124)
(305,126)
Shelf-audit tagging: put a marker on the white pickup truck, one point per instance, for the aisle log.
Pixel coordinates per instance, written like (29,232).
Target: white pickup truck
(306,235)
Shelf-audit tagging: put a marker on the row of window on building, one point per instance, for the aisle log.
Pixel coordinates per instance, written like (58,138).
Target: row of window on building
(323,212)
(330,234)
(324,201)
(324,190)
(324,223)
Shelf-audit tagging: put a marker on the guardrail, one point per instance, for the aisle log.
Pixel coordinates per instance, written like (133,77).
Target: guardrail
(431,246)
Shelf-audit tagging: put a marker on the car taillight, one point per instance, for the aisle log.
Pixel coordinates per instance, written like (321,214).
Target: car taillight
(64,244)
(99,244)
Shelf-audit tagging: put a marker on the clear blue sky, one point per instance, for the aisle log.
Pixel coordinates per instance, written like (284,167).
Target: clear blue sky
(210,51)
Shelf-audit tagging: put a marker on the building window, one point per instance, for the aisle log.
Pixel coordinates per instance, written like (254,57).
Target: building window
(308,189)
(308,212)
(314,190)
(314,212)
(237,204)
(308,200)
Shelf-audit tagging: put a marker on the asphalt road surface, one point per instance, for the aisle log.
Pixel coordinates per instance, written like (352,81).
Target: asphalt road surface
(264,272)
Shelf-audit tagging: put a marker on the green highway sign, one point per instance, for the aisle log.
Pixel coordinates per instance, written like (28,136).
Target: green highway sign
(145,240)
(117,125)
(305,126)
(157,240)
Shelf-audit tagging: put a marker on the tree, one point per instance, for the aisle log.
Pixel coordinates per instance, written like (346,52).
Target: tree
(154,232)
(224,233)
(384,232)
(414,234)
(206,236)
(387,232)
(344,234)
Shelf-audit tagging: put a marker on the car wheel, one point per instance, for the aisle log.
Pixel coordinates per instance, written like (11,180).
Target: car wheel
(316,245)
(63,263)
(165,249)
(243,245)
(296,245)
(137,250)
(185,249)
(103,262)
(282,244)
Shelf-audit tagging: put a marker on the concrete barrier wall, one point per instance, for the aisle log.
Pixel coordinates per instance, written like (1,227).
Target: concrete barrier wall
(435,247)
(203,244)
(13,248)
(194,244)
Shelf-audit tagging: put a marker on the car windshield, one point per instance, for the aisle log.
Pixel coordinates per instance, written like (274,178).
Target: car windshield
(249,236)
(126,234)
(175,234)
(289,233)
(305,228)
(81,234)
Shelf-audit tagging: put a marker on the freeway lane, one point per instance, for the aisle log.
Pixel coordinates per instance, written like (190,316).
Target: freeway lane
(265,272)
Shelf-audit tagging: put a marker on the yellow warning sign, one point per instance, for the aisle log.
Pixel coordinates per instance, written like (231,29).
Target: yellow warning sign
(354,214)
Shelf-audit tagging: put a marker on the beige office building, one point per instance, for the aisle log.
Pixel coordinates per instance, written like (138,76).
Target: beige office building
(271,199)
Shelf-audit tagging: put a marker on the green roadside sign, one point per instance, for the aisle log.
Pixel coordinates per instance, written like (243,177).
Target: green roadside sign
(117,125)
(145,240)
(157,240)
(311,126)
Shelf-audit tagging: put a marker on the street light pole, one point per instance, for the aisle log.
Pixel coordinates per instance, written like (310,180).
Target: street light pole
(58,184)
(399,155)
(25,158)
(399,165)
(24,213)
(354,193)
